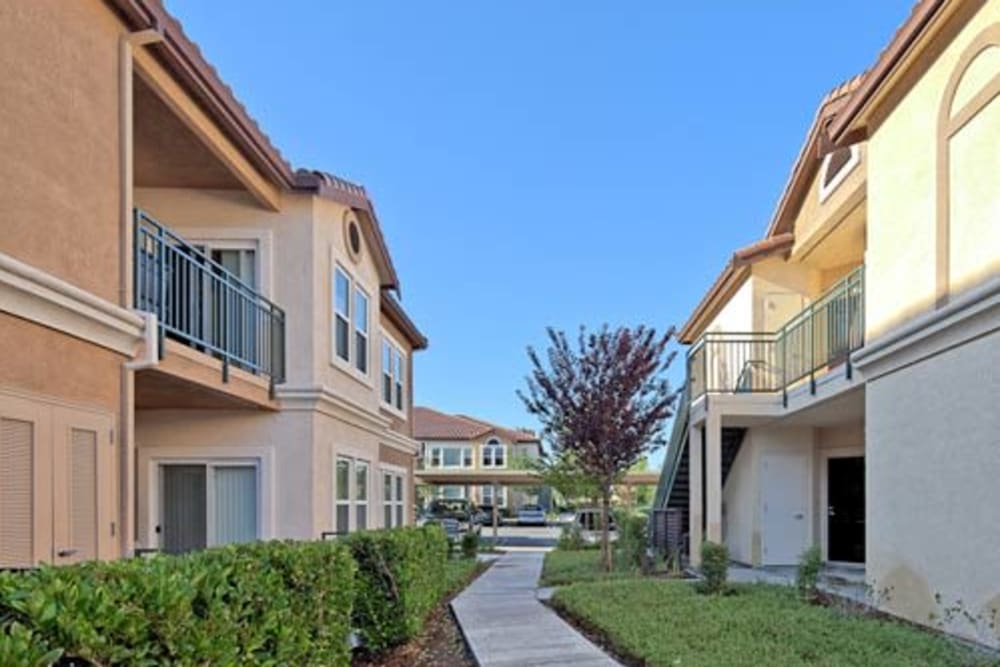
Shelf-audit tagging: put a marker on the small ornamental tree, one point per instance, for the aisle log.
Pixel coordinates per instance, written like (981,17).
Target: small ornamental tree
(603,401)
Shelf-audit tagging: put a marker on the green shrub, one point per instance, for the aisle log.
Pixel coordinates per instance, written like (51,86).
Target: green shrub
(714,566)
(401,577)
(470,545)
(810,563)
(630,549)
(265,602)
(571,538)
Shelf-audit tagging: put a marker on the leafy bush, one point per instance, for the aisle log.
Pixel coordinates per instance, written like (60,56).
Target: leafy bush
(266,602)
(470,545)
(714,566)
(810,563)
(401,576)
(630,551)
(571,538)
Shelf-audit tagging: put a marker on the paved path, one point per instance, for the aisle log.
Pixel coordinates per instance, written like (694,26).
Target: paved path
(506,626)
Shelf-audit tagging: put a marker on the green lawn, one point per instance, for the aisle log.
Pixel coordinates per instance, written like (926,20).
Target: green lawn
(567,567)
(668,623)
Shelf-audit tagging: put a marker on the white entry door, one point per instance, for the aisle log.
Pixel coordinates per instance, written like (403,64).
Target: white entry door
(785,496)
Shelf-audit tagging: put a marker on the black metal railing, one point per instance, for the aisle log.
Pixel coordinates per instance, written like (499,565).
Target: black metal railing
(819,337)
(202,304)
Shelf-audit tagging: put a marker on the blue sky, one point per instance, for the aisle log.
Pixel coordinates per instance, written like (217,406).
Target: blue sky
(543,163)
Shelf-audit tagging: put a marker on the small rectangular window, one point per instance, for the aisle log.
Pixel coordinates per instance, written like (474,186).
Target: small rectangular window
(342,314)
(467,457)
(435,457)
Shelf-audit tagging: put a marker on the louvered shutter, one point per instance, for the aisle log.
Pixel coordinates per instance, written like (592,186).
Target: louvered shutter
(83,493)
(16,492)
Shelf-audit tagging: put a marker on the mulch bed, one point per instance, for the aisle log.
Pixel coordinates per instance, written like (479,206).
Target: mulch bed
(440,644)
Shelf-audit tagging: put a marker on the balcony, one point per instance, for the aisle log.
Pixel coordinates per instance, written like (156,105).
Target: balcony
(820,337)
(204,306)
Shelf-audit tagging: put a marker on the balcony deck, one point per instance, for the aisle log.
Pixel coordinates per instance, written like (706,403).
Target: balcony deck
(221,343)
(818,339)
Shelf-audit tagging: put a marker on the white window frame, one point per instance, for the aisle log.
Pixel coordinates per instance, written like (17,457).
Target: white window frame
(238,238)
(359,502)
(354,286)
(466,453)
(395,373)
(825,190)
(338,271)
(210,465)
(501,493)
(337,500)
(396,503)
(356,292)
(491,446)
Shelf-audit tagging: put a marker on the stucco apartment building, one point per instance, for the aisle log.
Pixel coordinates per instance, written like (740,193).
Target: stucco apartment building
(464,457)
(842,372)
(198,344)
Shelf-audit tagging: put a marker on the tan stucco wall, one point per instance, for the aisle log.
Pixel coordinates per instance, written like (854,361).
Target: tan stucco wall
(737,314)
(53,364)
(933,461)
(814,218)
(59,114)
(903,171)
(781,290)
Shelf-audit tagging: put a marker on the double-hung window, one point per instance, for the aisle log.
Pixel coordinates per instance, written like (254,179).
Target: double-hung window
(392,499)
(501,496)
(361,495)
(342,314)
(351,321)
(393,374)
(360,330)
(343,495)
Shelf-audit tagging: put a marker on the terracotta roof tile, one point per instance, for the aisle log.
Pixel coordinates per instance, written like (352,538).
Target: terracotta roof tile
(429,424)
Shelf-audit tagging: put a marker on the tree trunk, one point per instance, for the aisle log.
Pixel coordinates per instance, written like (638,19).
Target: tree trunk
(605,528)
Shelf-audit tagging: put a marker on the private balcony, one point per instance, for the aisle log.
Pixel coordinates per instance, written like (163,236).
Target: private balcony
(818,339)
(221,342)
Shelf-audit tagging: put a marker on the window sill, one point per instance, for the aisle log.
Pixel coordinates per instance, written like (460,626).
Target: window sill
(349,370)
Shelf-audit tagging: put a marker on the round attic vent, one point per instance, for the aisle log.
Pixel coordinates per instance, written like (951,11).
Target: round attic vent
(353,238)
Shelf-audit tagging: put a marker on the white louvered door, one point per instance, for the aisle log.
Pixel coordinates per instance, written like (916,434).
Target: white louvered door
(57,483)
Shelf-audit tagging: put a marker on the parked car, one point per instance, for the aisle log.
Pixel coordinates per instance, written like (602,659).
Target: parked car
(589,521)
(484,515)
(456,516)
(530,515)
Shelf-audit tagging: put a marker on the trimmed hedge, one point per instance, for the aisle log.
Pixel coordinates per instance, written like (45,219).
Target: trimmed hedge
(401,576)
(259,603)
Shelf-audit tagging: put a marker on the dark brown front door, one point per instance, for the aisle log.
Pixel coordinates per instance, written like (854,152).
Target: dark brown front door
(846,509)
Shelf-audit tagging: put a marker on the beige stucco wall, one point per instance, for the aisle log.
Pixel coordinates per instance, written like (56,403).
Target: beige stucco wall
(59,137)
(814,217)
(904,164)
(933,461)
(781,289)
(739,505)
(737,314)
(298,247)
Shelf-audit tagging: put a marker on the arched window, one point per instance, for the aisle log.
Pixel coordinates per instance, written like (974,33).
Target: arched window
(494,454)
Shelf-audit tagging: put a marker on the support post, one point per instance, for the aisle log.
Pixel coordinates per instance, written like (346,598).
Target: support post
(695,503)
(713,478)
(496,513)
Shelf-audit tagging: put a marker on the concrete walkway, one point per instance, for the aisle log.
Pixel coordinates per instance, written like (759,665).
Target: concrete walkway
(506,625)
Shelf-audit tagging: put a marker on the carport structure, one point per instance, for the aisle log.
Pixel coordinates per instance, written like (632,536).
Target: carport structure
(512,477)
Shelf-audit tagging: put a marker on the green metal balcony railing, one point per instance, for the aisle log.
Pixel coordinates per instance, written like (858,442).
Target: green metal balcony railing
(819,337)
(202,304)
